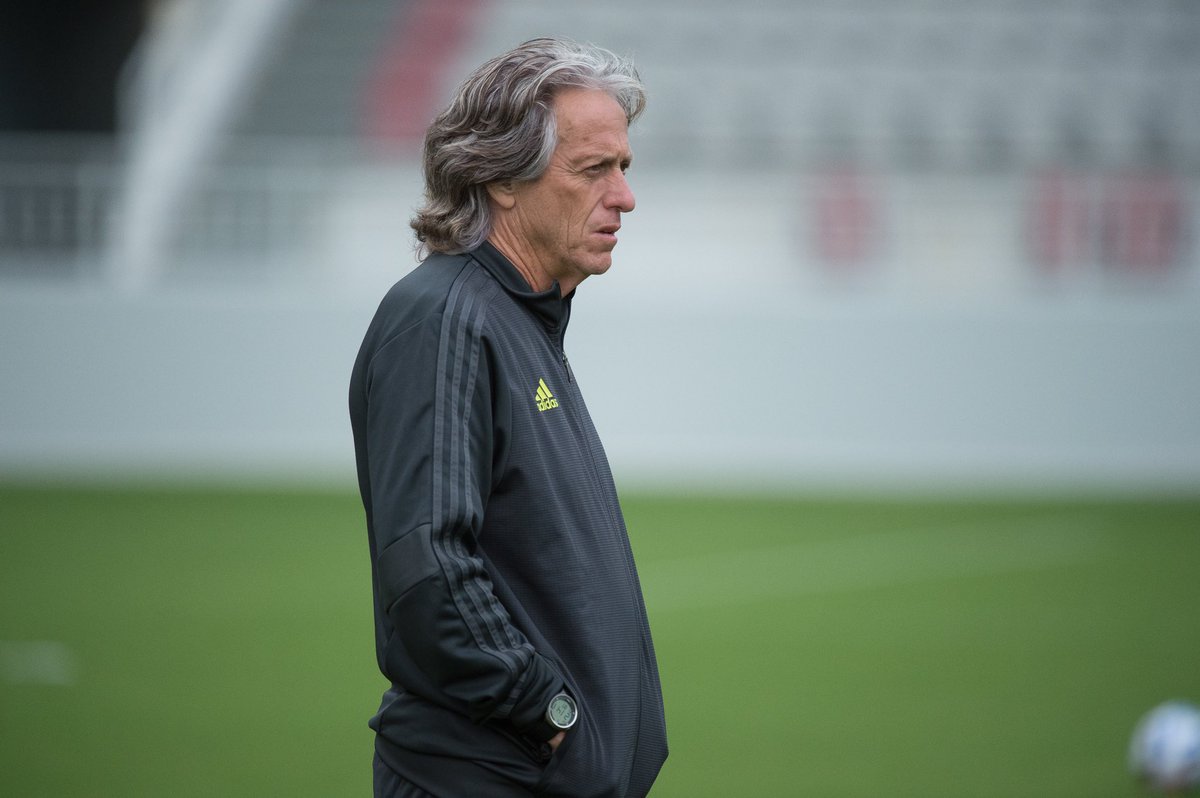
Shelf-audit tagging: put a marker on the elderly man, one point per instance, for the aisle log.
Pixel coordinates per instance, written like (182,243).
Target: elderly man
(508,613)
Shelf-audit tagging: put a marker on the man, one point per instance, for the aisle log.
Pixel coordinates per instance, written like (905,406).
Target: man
(508,613)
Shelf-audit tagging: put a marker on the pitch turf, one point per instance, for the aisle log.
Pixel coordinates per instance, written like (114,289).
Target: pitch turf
(218,643)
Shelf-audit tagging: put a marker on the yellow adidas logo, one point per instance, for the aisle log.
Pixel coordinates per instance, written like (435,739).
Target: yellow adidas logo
(545,399)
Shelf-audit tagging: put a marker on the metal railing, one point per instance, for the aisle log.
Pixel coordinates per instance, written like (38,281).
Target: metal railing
(60,200)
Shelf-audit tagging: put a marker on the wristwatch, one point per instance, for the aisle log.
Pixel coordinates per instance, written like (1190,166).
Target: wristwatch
(561,712)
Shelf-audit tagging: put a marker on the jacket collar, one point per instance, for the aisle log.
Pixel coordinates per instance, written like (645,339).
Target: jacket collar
(550,306)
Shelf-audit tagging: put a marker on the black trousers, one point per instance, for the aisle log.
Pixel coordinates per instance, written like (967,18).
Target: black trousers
(390,784)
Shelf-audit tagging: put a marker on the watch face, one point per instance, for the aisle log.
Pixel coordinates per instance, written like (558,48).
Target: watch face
(561,711)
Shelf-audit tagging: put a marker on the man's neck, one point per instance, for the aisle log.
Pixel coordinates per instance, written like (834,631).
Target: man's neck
(538,277)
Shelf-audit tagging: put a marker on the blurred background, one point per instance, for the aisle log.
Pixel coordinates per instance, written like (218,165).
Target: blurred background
(930,244)
(913,253)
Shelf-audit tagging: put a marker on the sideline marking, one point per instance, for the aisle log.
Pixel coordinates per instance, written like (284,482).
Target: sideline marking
(37,662)
(871,560)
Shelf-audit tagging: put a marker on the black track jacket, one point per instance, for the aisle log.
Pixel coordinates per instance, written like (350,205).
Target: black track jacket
(501,567)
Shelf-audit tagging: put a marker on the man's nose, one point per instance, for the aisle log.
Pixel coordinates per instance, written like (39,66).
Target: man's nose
(621,196)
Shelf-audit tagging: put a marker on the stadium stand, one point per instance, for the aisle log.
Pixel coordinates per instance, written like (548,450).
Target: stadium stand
(907,77)
(313,87)
(771,85)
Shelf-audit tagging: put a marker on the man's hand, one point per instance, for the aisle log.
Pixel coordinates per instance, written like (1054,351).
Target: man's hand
(556,740)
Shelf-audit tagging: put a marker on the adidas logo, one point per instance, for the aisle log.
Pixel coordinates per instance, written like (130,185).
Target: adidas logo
(545,399)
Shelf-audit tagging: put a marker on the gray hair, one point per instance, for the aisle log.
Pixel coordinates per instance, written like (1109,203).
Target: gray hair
(501,126)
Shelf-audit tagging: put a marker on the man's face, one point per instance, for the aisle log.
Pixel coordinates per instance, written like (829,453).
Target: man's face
(567,220)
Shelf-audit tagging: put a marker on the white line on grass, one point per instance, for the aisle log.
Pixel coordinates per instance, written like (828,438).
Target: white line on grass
(869,561)
(37,662)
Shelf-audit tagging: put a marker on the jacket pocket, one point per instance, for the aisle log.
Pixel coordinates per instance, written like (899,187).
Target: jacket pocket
(540,753)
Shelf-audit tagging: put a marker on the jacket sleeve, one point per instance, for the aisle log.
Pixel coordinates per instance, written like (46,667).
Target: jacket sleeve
(432,436)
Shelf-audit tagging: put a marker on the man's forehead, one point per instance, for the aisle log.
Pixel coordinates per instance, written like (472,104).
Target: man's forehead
(595,127)
(586,109)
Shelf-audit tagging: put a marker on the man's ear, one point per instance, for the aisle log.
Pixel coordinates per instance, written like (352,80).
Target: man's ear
(502,193)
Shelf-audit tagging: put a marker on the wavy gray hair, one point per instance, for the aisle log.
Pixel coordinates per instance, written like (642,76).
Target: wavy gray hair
(501,126)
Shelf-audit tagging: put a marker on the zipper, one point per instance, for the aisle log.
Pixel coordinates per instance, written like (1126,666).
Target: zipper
(567,365)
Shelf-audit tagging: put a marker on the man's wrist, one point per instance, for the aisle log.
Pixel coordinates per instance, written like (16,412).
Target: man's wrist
(562,712)
(559,716)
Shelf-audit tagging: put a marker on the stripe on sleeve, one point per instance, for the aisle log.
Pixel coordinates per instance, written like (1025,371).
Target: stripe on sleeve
(456,497)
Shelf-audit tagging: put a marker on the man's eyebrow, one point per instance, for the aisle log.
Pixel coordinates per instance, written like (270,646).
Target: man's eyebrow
(604,159)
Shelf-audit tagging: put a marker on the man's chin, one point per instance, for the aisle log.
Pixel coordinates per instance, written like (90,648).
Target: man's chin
(592,266)
(601,263)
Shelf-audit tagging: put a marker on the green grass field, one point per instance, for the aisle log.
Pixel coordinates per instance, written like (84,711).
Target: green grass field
(218,643)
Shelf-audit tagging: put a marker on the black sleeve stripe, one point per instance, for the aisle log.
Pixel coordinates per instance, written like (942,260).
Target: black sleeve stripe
(468,370)
(457,509)
(463,508)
